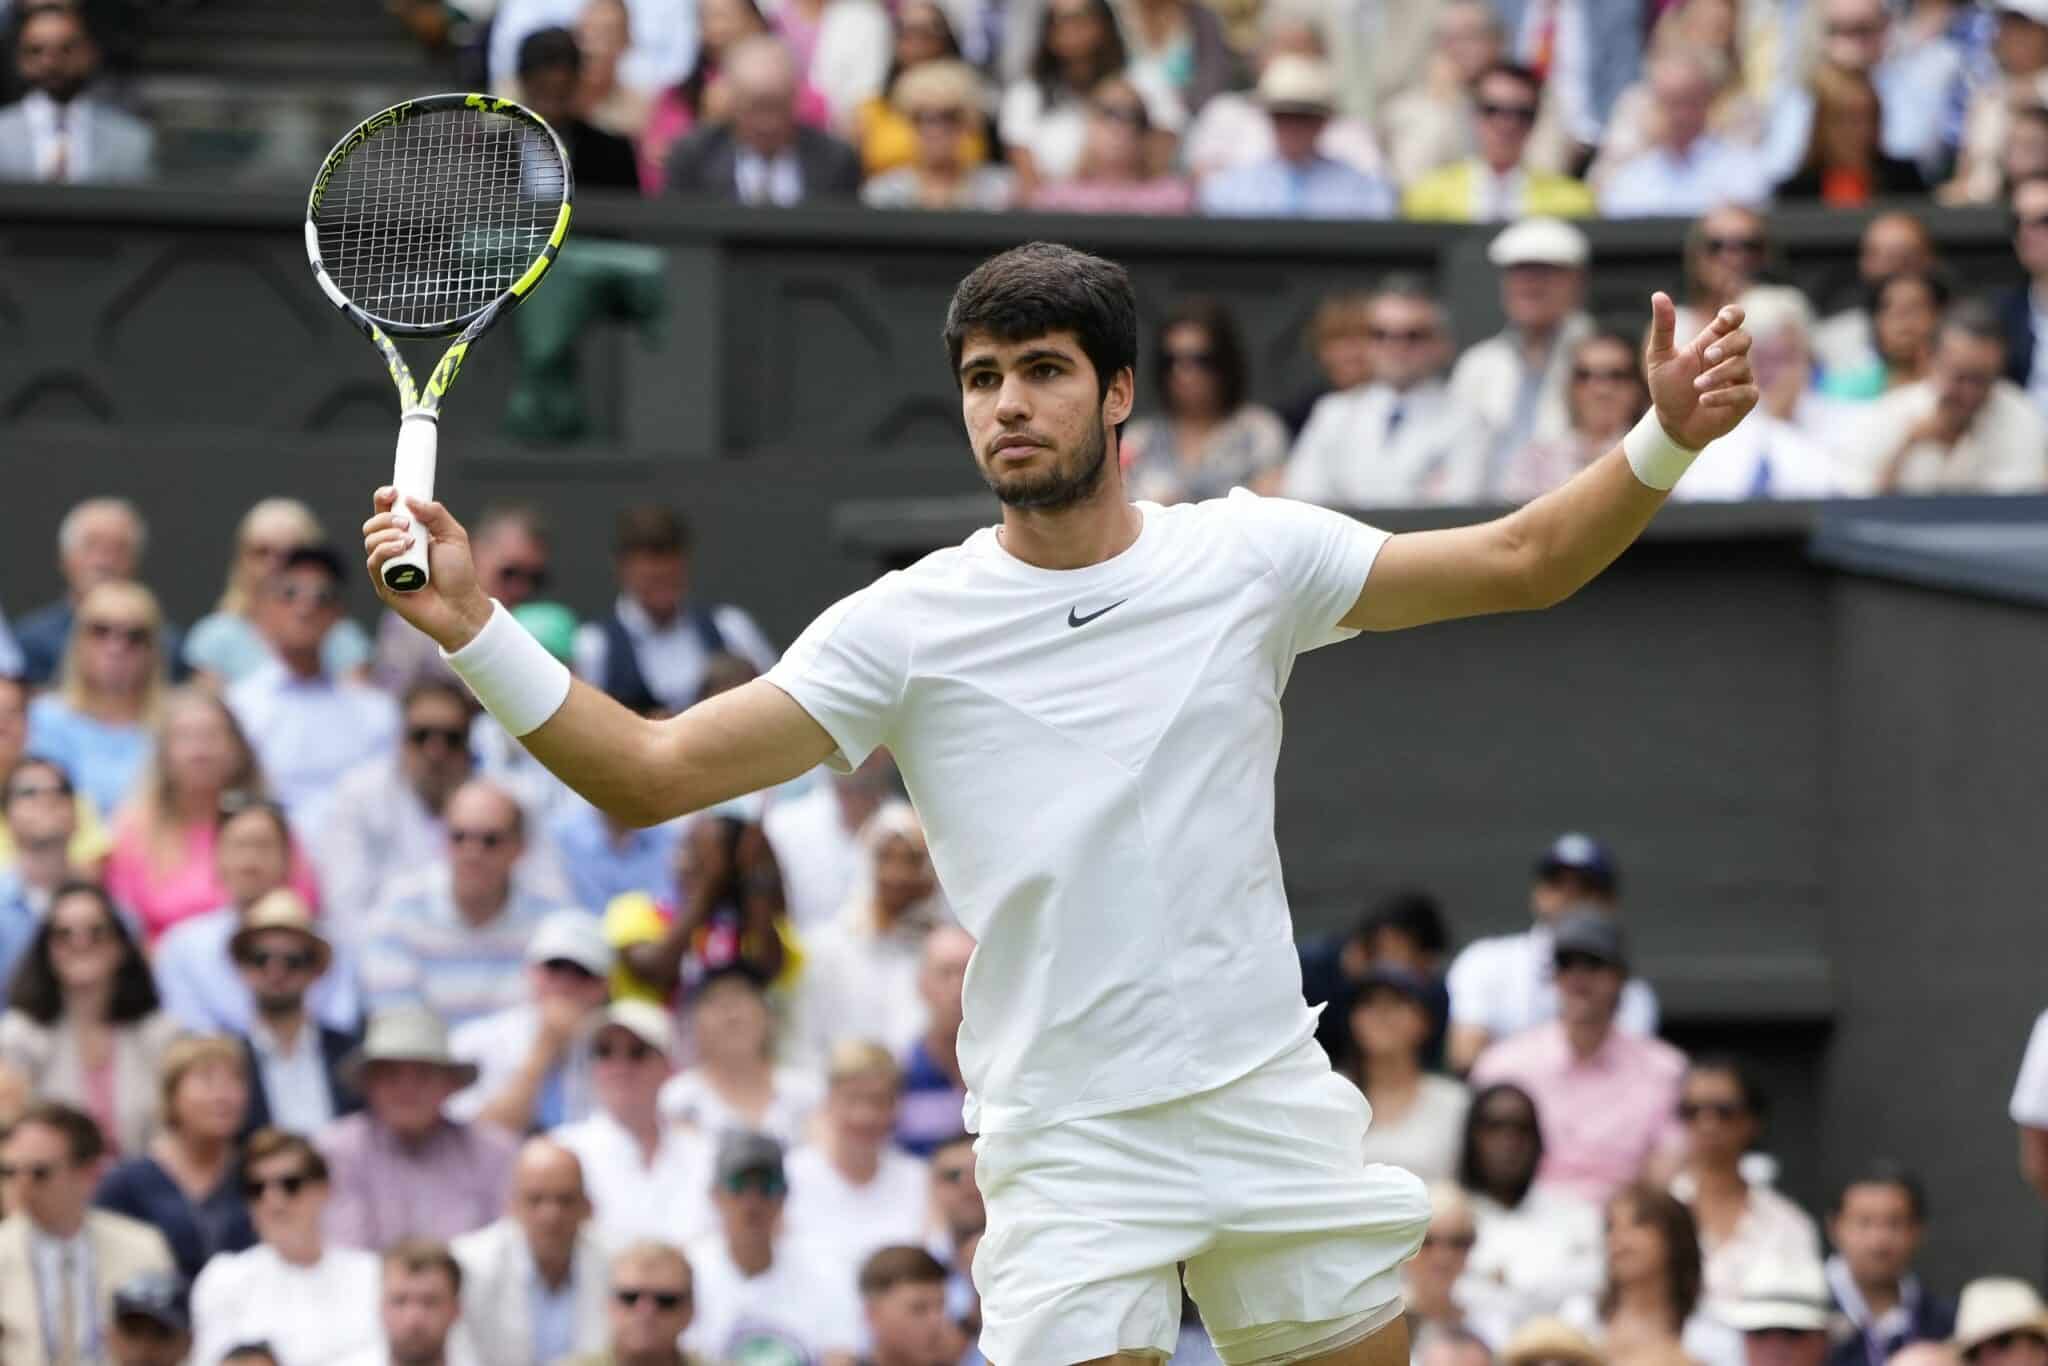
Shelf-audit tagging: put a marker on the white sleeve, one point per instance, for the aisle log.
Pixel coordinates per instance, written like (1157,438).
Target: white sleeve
(1466,982)
(2030,1091)
(1638,1013)
(1321,557)
(848,668)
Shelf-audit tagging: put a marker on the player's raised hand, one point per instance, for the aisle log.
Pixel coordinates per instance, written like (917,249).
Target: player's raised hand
(1703,389)
(452,607)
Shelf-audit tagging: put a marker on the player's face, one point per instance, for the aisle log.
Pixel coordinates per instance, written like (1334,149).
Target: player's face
(1038,421)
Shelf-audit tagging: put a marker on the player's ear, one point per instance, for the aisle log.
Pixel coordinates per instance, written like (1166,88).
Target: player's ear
(1121,397)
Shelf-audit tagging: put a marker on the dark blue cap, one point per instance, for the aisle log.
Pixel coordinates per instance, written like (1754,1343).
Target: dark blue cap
(1583,855)
(158,1296)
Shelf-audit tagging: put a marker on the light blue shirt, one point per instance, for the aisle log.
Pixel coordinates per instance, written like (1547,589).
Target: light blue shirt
(1917,89)
(554,1318)
(103,760)
(1274,188)
(1661,184)
(227,645)
(600,865)
(20,917)
(307,732)
(199,987)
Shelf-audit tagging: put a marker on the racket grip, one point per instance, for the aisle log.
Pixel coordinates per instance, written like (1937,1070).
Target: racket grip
(418,440)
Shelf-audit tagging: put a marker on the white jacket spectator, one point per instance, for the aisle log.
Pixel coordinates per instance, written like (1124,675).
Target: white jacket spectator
(535,1284)
(855,1192)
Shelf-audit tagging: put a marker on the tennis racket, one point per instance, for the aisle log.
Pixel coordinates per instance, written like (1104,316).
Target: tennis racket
(433,218)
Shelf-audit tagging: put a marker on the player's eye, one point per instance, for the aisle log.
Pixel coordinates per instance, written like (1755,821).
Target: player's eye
(1046,370)
(981,379)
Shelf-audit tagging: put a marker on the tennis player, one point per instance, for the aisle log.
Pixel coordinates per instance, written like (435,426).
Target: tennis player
(1085,705)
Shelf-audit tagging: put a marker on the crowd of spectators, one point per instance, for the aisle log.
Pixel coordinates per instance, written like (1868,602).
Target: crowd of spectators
(335,1030)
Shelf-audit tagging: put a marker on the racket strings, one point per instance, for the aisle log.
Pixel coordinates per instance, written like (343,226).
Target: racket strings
(429,220)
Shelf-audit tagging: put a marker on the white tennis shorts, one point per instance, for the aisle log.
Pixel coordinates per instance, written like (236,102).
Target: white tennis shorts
(1259,1186)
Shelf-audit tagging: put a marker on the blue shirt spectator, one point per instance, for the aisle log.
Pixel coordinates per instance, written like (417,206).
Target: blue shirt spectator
(602,860)
(199,986)
(231,649)
(104,758)
(1689,171)
(1299,94)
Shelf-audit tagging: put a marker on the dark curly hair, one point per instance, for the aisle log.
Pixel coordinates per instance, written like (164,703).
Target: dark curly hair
(35,990)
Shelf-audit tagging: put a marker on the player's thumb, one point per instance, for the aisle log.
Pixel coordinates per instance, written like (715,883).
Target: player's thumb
(1663,326)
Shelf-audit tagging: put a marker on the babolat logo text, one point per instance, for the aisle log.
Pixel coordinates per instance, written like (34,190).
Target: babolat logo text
(389,118)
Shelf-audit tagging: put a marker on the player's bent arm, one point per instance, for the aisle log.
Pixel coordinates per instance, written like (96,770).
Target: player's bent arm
(645,772)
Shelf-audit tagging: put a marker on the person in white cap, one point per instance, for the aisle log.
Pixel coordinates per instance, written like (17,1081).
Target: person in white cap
(1298,180)
(533,1059)
(1515,379)
(1497,183)
(2000,1321)
(1783,1313)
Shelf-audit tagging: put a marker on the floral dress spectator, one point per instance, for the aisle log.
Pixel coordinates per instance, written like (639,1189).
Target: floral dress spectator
(1539,1248)
(224,646)
(1118,172)
(1209,438)
(1605,394)
(941,103)
(97,721)
(1044,117)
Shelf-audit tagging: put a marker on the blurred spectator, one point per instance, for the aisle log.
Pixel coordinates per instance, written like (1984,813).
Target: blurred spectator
(903,1295)
(1926,1354)
(402,1168)
(735,1084)
(854,1191)
(651,1306)
(292,1290)
(884,130)
(1498,183)
(1587,51)
(1451,1347)
(551,84)
(604,35)
(2029,1108)
(646,1176)
(1782,1312)
(1298,180)
(1920,67)
(1688,169)
(419,1309)
(2000,1321)
(1117,171)
(1727,252)
(87,837)
(535,1283)
(815,837)
(99,541)
(1208,438)
(1904,319)
(97,722)
(1234,129)
(2025,154)
(195,966)
(82,1024)
(166,866)
(763,156)
(295,1062)
(509,544)
(1774,452)
(187,1182)
(1403,930)
(1719,34)
(1608,1099)
(1340,339)
(533,1058)
(60,132)
(1180,45)
(1876,1224)
(760,1293)
(1430,124)
(453,938)
(384,816)
(1538,1247)
(1603,400)
(2024,310)
(1892,244)
(958,1214)
(11,662)
(308,727)
(704,96)
(1044,120)
(842,48)
(60,1261)
(1515,380)
(1417,1118)
(934,1092)
(224,647)
(1549,1341)
(1506,984)
(652,649)
(151,1324)
(1845,166)
(1743,1224)
(1648,1308)
(1429,1281)
(603,858)
(40,817)
(1963,429)
(728,912)
(663,41)
(1399,439)
(2021,51)
(859,978)
(940,102)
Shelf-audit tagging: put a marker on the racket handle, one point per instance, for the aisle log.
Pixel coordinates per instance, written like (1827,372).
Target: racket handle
(418,440)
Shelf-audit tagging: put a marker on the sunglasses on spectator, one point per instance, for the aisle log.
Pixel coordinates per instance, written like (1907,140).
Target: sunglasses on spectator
(628,1050)
(762,1183)
(81,936)
(295,960)
(485,839)
(1520,113)
(667,1301)
(1586,374)
(288,1186)
(127,633)
(1194,360)
(22,792)
(35,1173)
(1128,114)
(1512,1124)
(1457,1242)
(1409,336)
(1723,1110)
(532,575)
(1722,246)
(1854,28)
(315,595)
(454,737)
(949,117)
(1570,962)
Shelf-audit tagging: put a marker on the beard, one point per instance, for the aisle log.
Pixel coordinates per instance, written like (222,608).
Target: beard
(1062,486)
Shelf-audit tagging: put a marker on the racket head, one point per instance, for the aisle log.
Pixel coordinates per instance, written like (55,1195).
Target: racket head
(438,214)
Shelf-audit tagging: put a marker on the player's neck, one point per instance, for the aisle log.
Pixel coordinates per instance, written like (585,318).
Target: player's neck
(1100,527)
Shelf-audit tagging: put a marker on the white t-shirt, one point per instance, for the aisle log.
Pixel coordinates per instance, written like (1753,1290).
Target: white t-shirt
(848,1223)
(1092,752)
(688,1098)
(668,1199)
(2030,1091)
(1507,984)
(789,1315)
(313,1314)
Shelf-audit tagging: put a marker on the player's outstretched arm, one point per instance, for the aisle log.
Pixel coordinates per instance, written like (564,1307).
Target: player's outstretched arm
(629,767)
(1544,552)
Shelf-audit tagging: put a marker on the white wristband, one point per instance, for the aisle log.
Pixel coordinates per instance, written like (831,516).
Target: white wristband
(511,673)
(1657,460)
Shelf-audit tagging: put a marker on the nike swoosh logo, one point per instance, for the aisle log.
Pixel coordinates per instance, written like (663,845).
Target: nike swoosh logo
(1074,617)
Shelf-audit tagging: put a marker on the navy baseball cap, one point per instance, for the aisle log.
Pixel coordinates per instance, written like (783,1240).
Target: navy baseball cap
(1589,934)
(1582,855)
(158,1296)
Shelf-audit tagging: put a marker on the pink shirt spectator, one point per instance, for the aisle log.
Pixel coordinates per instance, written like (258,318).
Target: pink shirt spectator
(385,1190)
(672,120)
(1603,1116)
(161,897)
(1165,195)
